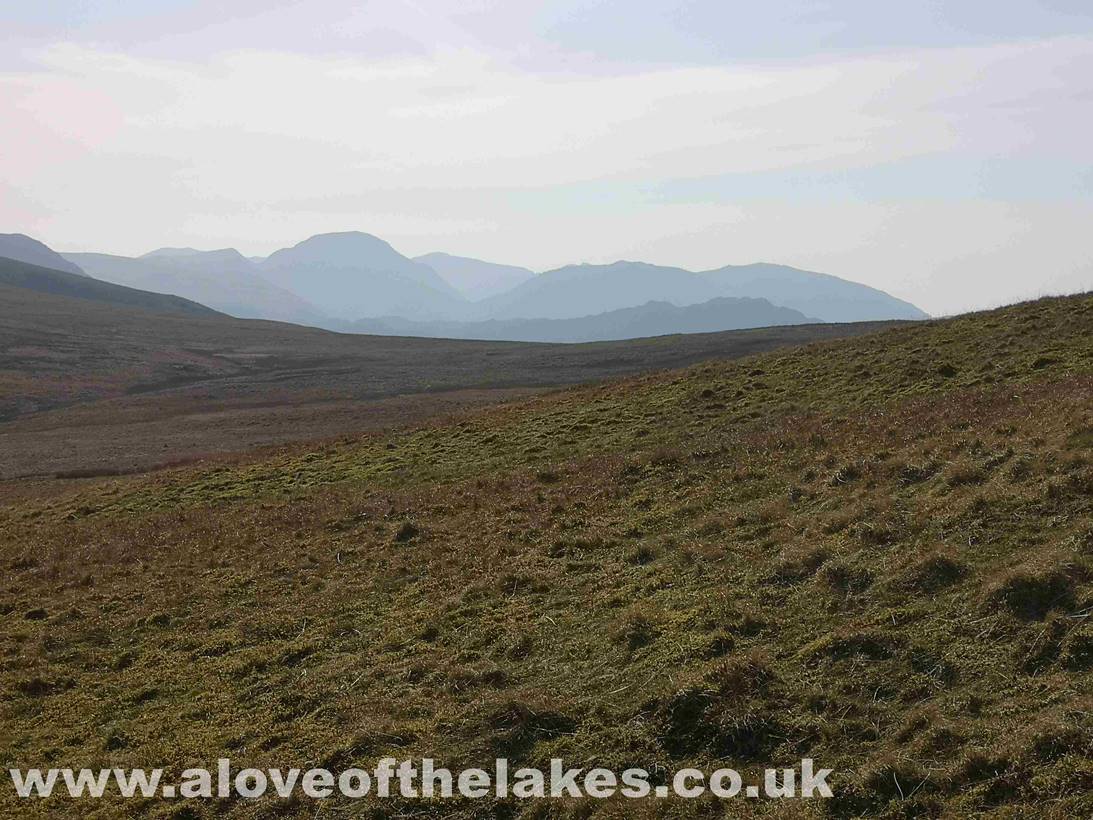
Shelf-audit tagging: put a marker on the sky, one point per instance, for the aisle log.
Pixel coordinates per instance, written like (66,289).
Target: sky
(941,151)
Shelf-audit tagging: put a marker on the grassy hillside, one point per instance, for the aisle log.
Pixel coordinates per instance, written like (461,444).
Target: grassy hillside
(877,552)
(25,276)
(22,248)
(138,389)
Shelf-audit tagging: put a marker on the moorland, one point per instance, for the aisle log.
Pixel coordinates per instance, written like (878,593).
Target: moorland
(874,551)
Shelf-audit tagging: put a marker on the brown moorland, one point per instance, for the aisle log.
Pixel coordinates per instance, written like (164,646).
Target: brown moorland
(877,552)
(92,388)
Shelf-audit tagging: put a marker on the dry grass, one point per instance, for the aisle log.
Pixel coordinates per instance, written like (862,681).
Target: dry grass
(745,562)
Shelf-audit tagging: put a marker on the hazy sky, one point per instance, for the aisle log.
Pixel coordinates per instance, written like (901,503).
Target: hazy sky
(942,151)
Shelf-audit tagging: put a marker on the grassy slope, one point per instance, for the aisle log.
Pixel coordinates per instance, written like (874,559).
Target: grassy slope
(876,552)
(137,390)
(16,274)
(57,350)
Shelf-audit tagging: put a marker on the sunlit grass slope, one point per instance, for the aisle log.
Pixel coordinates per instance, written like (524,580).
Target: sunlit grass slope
(875,552)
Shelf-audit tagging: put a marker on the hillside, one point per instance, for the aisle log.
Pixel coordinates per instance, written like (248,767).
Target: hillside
(354,275)
(138,389)
(876,552)
(221,279)
(650,319)
(23,248)
(23,276)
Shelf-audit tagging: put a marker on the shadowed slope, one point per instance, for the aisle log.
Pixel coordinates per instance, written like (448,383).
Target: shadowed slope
(14,274)
(222,279)
(23,248)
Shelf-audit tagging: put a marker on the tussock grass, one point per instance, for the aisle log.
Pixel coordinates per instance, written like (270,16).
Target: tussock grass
(875,552)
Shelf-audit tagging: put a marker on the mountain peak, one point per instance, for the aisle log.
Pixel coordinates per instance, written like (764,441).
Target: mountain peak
(353,274)
(344,239)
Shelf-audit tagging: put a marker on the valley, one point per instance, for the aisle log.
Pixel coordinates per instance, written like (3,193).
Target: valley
(88,386)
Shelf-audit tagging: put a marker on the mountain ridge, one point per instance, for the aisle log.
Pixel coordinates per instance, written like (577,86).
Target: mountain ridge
(329,279)
(643,321)
(831,297)
(572,291)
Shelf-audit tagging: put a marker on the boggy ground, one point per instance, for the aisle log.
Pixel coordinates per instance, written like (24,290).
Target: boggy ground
(874,552)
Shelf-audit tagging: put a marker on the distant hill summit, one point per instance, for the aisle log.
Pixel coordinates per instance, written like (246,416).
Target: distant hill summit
(817,294)
(355,275)
(222,279)
(23,248)
(16,274)
(474,278)
(650,319)
(581,290)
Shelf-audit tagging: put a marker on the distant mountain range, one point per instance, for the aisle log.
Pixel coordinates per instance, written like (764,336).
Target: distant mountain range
(357,282)
(578,290)
(650,319)
(817,294)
